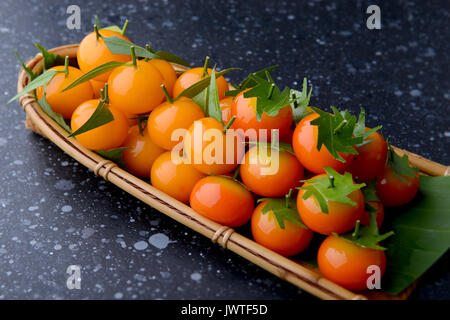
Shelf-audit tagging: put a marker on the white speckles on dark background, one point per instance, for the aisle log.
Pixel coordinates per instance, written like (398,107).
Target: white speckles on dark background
(55,213)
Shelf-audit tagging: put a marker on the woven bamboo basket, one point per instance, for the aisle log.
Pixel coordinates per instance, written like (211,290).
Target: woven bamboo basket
(300,275)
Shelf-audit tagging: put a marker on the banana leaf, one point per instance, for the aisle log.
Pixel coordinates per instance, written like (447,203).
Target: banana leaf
(422,234)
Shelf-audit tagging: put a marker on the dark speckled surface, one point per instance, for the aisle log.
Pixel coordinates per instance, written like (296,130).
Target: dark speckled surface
(54,212)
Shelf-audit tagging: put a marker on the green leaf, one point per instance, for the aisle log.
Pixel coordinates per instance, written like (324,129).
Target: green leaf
(30,74)
(400,165)
(40,81)
(199,86)
(335,187)
(45,106)
(96,72)
(170,57)
(97,22)
(422,234)
(335,131)
(367,237)
(249,82)
(114,155)
(360,129)
(101,116)
(120,46)
(214,109)
(282,212)
(300,101)
(113,28)
(50,59)
(269,97)
(370,191)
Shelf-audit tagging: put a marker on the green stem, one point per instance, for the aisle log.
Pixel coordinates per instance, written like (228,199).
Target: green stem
(148,48)
(288,198)
(294,96)
(229,124)
(166,93)
(339,127)
(97,34)
(105,97)
(124,28)
(331,181)
(133,56)
(205,67)
(66,66)
(236,172)
(269,96)
(355,233)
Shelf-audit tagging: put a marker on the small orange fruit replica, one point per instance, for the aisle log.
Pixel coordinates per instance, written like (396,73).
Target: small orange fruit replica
(143,151)
(269,173)
(192,76)
(337,207)
(304,142)
(212,150)
(177,179)
(66,102)
(168,73)
(170,116)
(370,160)
(393,191)
(108,136)
(136,88)
(97,86)
(245,111)
(346,264)
(287,241)
(223,200)
(225,106)
(93,52)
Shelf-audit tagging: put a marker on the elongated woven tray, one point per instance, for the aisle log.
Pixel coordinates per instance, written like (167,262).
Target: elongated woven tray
(294,272)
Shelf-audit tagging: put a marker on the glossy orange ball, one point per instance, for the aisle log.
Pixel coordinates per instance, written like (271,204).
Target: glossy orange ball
(394,192)
(340,218)
(245,111)
(93,52)
(142,153)
(347,264)
(108,136)
(270,173)
(136,89)
(168,117)
(192,76)
(66,102)
(266,231)
(370,160)
(168,73)
(222,200)
(212,150)
(177,179)
(304,142)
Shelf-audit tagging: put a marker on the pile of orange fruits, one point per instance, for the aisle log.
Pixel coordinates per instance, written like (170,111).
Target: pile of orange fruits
(332,174)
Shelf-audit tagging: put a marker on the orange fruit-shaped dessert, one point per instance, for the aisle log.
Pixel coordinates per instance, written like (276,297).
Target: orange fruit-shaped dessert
(211,148)
(143,151)
(175,178)
(108,136)
(135,88)
(244,109)
(93,52)
(66,102)
(170,116)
